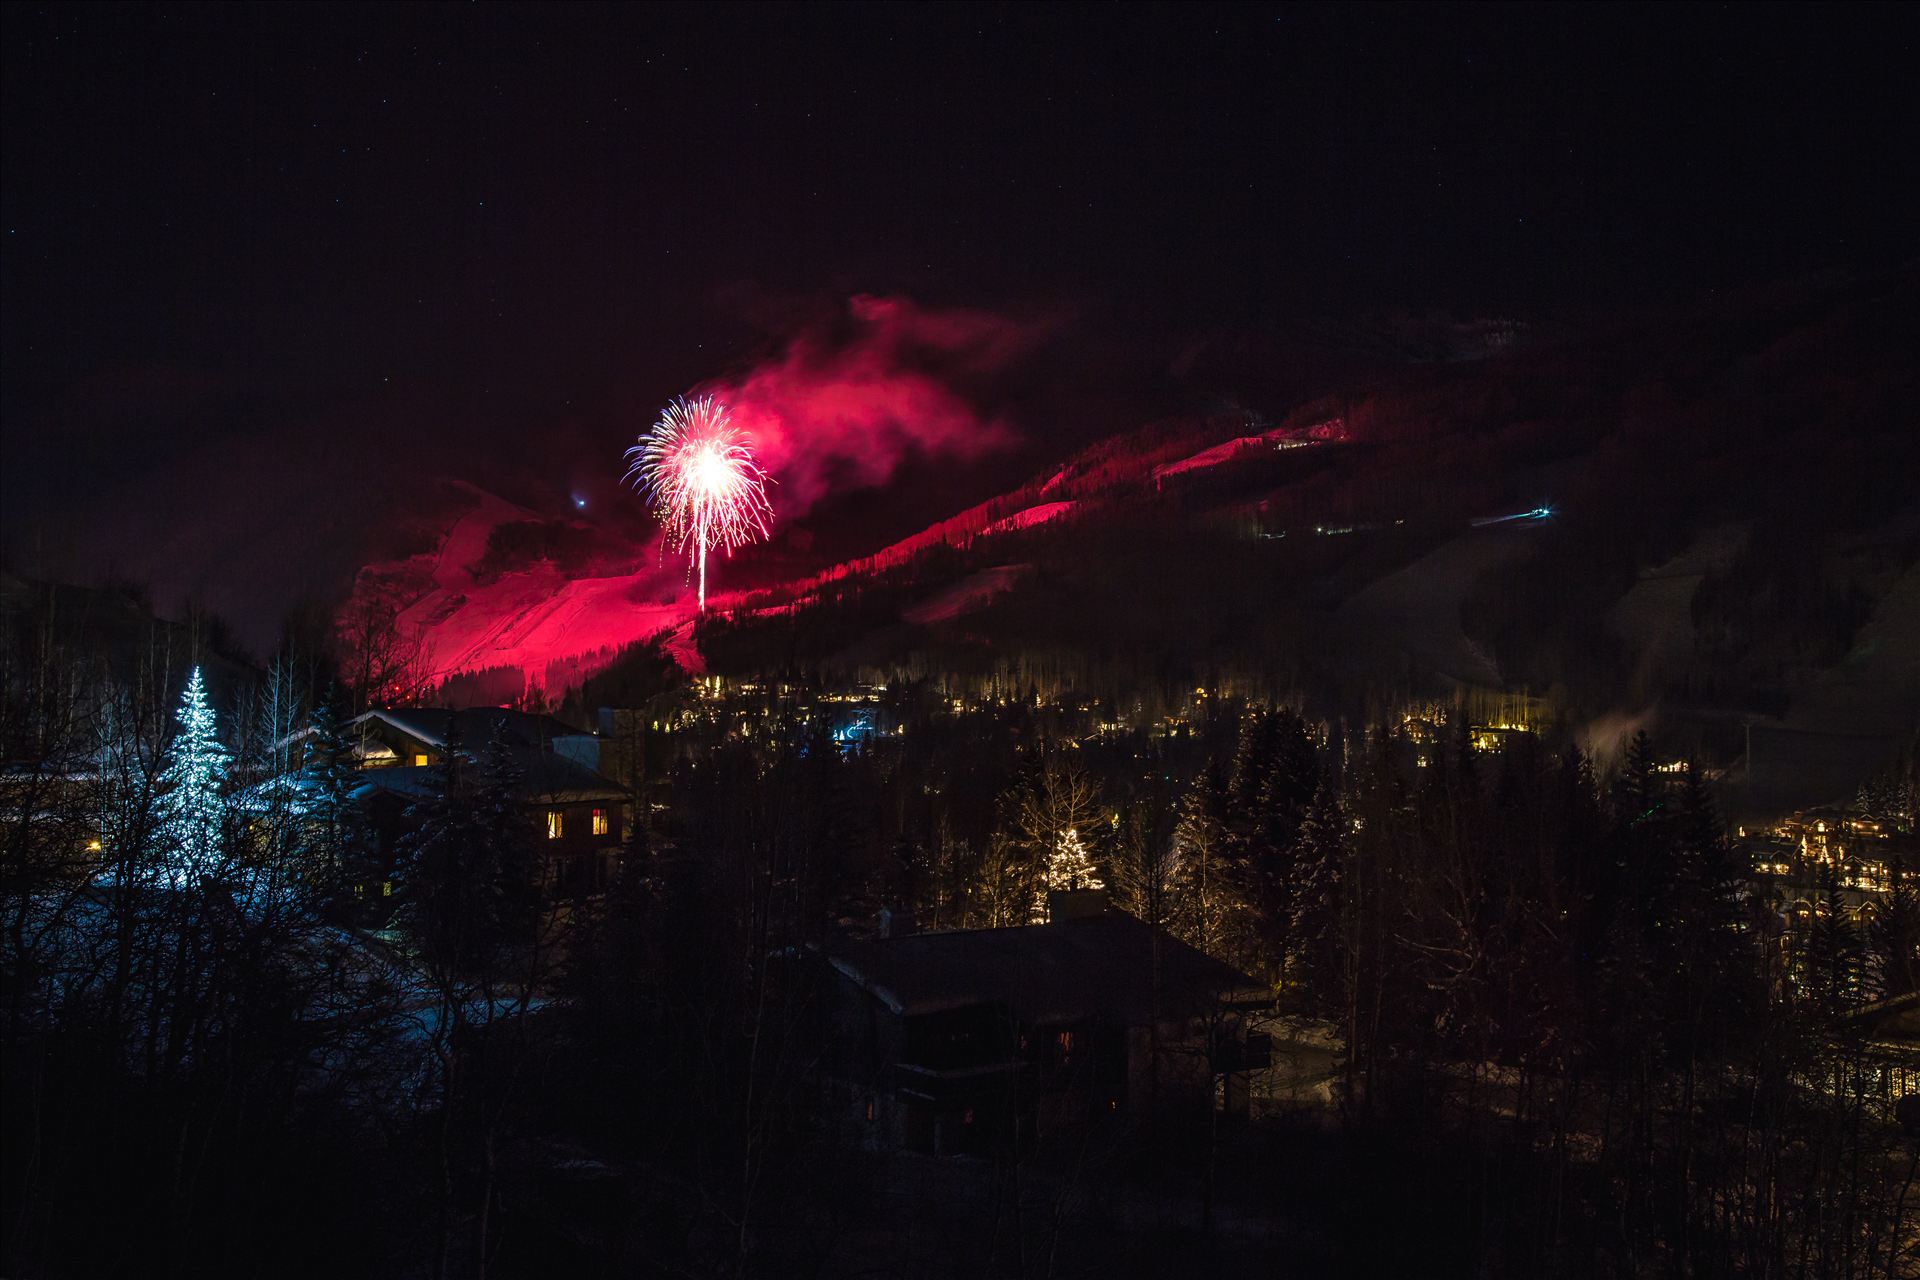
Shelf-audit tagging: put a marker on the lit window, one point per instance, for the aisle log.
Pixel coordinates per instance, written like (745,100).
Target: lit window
(555,822)
(419,759)
(600,824)
(386,888)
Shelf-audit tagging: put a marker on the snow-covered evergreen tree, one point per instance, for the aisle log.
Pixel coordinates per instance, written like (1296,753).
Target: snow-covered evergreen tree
(193,812)
(1317,904)
(1201,844)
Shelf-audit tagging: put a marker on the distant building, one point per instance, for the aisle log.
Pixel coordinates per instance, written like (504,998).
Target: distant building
(1792,855)
(1856,847)
(1793,858)
(969,1041)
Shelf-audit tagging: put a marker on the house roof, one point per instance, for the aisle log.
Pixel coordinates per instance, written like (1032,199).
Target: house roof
(1891,1022)
(545,778)
(432,725)
(1087,967)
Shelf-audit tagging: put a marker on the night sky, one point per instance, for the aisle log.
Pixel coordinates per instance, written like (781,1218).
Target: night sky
(266,267)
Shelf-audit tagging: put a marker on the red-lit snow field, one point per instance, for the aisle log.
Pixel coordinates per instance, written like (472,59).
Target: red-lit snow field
(473,609)
(554,628)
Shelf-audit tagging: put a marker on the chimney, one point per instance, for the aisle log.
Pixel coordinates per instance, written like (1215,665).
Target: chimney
(1075,904)
(896,922)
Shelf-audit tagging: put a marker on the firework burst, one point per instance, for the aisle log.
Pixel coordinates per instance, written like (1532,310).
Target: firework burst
(698,473)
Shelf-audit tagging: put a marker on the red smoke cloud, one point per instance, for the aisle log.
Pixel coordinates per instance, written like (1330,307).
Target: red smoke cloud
(844,405)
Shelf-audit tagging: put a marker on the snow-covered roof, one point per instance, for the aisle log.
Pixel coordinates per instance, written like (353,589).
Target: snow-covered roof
(1092,966)
(433,725)
(545,778)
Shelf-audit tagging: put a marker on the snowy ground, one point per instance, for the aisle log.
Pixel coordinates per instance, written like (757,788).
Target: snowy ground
(1228,451)
(555,628)
(1417,609)
(1656,614)
(1876,687)
(965,596)
(1028,518)
(1852,718)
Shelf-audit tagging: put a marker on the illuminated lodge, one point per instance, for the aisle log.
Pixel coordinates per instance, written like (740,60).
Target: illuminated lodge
(579,816)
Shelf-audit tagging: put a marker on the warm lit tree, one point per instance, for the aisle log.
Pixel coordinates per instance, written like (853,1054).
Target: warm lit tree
(1070,864)
(1056,814)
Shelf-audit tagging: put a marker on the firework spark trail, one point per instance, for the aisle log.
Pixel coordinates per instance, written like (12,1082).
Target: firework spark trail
(699,474)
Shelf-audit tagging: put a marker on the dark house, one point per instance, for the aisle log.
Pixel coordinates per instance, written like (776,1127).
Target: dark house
(968,1041)
(578,814)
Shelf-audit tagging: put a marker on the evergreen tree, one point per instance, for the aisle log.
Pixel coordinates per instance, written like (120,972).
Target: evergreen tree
(1636,789)
(1265,870)
(1893,938)
(1295,776)
(1710,879)
(1254,758)
(612,962)
(468,866)
(1832,966)
(329,776)
(1892,796)
(1200,841)
(1636,905)
(1316,907)
(193,812)
(1699,937)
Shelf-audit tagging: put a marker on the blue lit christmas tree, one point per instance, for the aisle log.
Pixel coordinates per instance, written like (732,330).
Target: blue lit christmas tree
(192,811)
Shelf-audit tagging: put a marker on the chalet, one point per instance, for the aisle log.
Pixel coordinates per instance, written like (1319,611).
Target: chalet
(1888,1032)
(579,815)
(968,1041)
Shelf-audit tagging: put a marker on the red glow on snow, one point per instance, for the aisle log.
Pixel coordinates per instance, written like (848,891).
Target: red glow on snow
(1332,430)
(1030,517)
(839,408)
